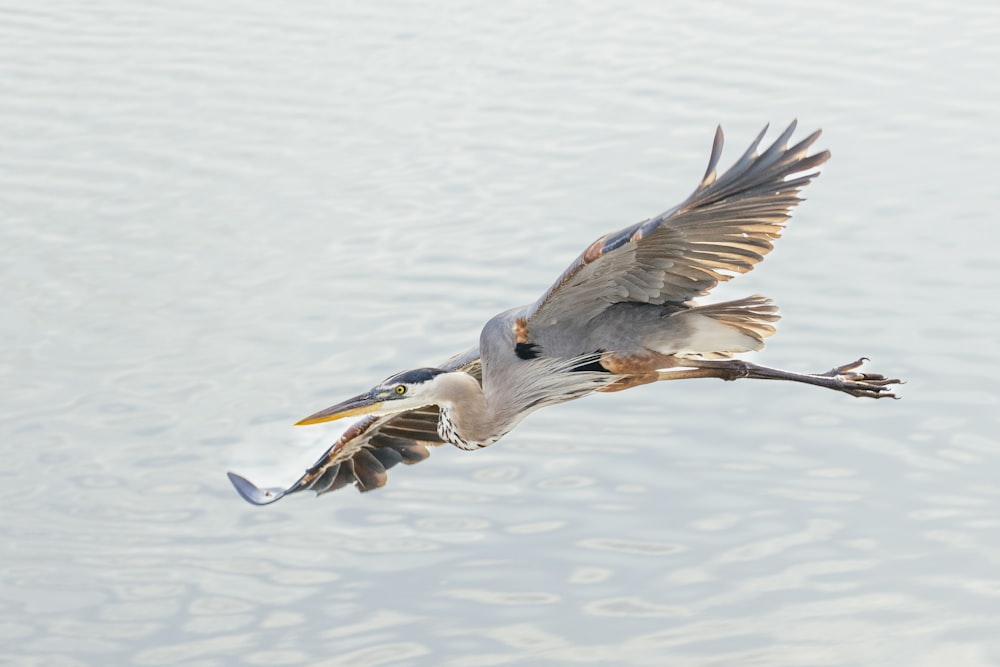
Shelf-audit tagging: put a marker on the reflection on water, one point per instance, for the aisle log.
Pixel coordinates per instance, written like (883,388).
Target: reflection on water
(217,219)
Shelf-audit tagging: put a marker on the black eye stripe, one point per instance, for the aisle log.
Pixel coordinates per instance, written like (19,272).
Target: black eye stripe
(416,376)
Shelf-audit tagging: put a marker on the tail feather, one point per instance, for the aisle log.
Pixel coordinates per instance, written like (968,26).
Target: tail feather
(719,330)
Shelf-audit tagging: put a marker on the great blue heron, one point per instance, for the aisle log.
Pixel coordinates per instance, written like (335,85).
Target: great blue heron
(621,315)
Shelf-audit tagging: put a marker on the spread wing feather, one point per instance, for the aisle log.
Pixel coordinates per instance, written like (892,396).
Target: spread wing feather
(724,228)
(367,449)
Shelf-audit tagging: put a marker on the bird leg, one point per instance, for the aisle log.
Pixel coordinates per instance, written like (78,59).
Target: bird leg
(637,380)
(636,368)
(842,378)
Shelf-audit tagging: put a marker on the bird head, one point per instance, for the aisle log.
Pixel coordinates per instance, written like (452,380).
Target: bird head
(404,391)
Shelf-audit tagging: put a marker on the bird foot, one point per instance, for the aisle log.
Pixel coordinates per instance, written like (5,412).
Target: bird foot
(868,385)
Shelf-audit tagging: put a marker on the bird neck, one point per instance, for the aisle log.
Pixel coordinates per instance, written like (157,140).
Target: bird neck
(467,418)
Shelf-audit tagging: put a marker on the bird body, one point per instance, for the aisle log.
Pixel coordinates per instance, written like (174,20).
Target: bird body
(623,314)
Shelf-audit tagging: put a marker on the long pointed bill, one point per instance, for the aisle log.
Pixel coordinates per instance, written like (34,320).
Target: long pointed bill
(359,405)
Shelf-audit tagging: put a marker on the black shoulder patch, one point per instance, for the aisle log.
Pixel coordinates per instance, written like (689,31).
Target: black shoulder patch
(526,350)
(594,366)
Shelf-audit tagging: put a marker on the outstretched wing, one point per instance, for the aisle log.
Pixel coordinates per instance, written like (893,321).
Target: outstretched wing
(367,449)
(724,228)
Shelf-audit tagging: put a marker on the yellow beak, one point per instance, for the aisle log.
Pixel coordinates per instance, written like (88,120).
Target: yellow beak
(359,405)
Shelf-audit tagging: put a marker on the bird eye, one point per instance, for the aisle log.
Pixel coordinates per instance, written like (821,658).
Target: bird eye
(400,389)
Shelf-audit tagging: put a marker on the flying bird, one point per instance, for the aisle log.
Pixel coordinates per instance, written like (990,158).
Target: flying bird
(622,315)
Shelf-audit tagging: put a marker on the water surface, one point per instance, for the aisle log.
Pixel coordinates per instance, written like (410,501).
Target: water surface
(218,220)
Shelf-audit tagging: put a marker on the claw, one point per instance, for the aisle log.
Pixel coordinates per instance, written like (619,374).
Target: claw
(865,385)
(840,370)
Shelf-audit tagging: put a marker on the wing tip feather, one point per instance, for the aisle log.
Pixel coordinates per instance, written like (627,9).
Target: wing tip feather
(713,160)
(256,495)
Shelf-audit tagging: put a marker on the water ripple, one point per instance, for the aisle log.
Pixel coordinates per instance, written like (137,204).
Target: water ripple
(633,606)
(220,216)
(632,547)
(494,597)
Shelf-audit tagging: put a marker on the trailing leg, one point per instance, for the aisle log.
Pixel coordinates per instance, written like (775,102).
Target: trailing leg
(842,378)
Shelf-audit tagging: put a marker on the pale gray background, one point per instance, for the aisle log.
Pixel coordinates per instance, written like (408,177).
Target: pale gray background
(220,217)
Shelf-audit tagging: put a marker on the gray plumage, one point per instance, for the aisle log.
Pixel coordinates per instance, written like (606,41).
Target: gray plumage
(621,315)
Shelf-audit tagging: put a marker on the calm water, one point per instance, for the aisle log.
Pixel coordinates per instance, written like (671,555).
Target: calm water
(218,220)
